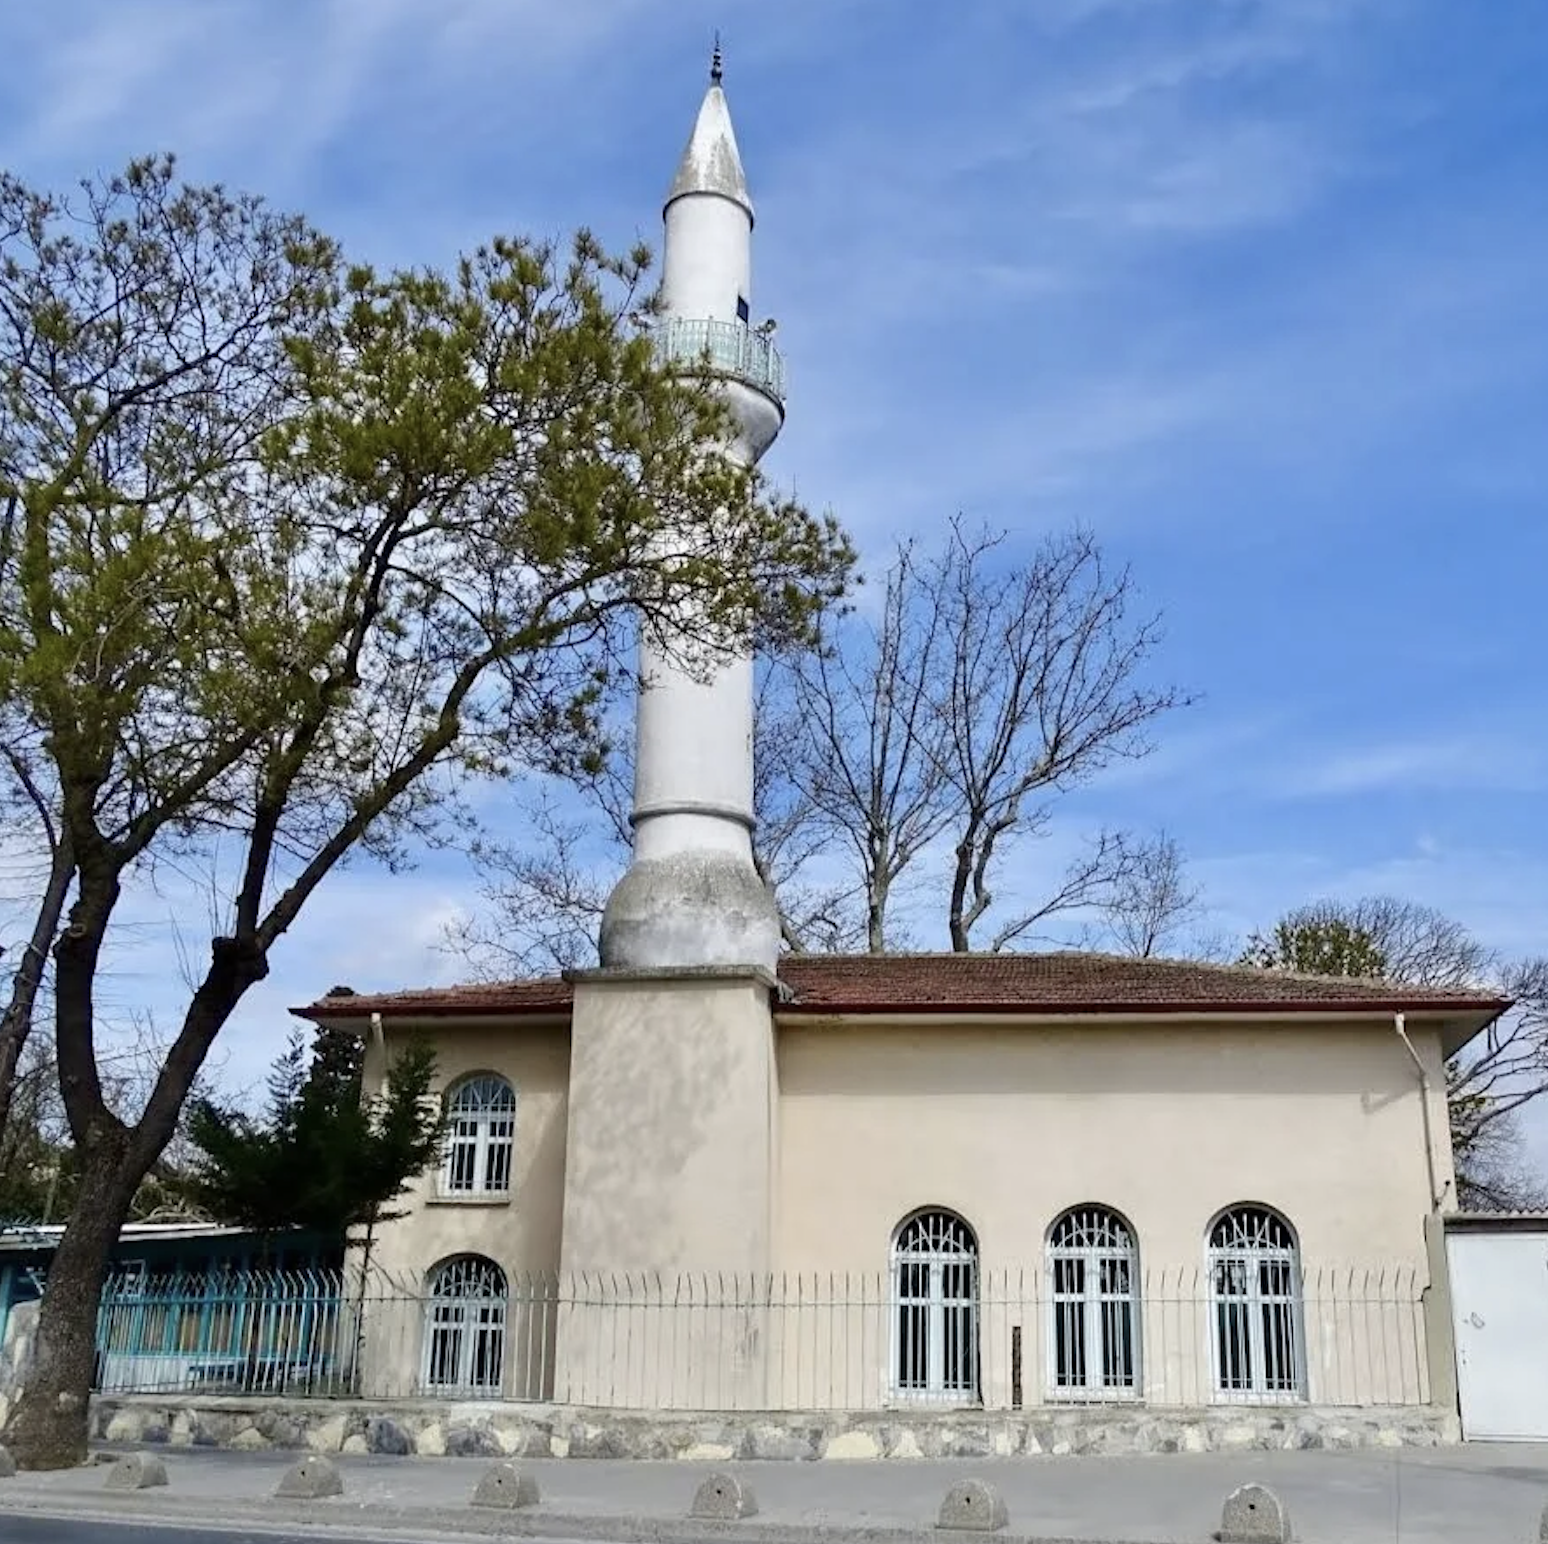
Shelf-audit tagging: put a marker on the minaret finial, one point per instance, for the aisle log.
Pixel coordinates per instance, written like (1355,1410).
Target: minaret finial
(717,66)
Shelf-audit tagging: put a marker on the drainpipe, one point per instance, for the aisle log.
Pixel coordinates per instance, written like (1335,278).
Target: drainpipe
(379,1040)
(1400,1025)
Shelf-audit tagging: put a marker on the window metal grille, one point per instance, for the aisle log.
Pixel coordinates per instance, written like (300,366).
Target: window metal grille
(1093,1276)
(1255,1287)
(480,1138)
(935,1308)
(465,1330)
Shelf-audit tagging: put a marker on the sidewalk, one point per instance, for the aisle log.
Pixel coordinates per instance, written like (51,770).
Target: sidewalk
(1470,1495)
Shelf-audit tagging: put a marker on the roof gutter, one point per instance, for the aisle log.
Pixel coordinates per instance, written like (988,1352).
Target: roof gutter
(1436,1195)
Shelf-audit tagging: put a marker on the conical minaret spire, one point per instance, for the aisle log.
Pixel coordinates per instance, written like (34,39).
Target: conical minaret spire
(691,897)
(711,161)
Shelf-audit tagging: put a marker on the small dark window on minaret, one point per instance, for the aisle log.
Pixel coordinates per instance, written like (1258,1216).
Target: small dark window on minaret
(742,310)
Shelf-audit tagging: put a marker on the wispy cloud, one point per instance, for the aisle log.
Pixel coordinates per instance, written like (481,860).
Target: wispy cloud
(1456,763)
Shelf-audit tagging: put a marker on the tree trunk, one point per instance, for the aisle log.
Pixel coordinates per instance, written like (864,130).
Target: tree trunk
(875,925)
(957,923)
(49,1427)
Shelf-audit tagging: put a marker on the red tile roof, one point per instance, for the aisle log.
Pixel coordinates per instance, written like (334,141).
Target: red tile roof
(1076,982)
(1064,982)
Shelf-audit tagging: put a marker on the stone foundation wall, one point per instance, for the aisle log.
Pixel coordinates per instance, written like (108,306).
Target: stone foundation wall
(16,1355)
(526,1431)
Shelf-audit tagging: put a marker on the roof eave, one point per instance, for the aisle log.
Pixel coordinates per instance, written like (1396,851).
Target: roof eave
(354,1020)
(1485,1010)
(1459,1022)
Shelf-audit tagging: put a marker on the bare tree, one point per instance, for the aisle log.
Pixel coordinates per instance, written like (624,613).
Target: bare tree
(39,1171)
(544,888)
(1152,901)
(1417,944)
(1492,1081)
(1491,1173)
(872,758)
(944,725)
(1044,689)
(820,900)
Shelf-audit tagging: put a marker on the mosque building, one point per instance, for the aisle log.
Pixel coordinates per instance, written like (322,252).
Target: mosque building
(708,1175)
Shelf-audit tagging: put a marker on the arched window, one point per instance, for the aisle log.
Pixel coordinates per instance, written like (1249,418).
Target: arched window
(1255,1325)
(935,1308)
(481,1132)
(465,1327)
(1093,1297)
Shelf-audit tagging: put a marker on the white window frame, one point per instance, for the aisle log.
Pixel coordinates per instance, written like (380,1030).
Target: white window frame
(1095,1245)
(466,1303)
(1257,1328)
(934,1300)
(480,1148)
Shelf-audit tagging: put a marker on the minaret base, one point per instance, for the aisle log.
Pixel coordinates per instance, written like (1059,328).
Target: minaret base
(668,1186)
(689,909)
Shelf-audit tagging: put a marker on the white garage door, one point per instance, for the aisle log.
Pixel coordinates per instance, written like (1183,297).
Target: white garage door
(1499,1293)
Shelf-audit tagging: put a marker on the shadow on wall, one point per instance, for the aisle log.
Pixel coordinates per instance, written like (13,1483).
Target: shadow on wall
(674,1083)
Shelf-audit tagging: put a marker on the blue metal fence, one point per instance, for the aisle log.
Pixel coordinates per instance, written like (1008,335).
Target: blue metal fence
(248,1331)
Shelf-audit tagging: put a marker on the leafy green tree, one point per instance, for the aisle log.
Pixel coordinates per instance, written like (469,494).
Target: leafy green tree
(294,550)
(1321,945)
(322,1156)
(1494,1078)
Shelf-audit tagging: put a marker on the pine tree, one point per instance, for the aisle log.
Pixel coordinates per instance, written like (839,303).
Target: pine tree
(321,1157)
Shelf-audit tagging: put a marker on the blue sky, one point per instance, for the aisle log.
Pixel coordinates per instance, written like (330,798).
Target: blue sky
(1258,289)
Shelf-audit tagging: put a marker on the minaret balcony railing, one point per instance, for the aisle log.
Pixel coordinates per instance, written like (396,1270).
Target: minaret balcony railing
(723,348)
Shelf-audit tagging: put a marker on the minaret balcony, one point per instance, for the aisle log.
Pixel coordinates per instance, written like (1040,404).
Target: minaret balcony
(722,348)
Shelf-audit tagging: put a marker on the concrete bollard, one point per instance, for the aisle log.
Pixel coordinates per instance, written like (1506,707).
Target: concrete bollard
(137,1471)
(1254,1515)
(7,1464)
(723,1498)
(506,1487)
(973,1506)
(310,1480)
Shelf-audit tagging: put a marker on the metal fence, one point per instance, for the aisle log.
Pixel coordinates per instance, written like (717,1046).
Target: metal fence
(281,1332)
(1000,1340)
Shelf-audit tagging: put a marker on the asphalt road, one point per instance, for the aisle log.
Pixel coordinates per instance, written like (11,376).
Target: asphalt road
(18,1528)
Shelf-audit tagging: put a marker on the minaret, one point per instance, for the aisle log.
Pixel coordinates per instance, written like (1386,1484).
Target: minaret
(670,1151)
(691,896)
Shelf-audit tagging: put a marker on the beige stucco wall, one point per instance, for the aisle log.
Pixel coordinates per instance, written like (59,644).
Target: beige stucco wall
(670,1175)
(519,1232)
(670,1149)
(679,1149)
(1168,1125)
